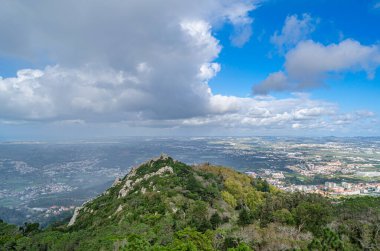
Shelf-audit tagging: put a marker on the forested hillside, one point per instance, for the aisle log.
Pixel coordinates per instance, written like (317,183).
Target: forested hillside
(167,205)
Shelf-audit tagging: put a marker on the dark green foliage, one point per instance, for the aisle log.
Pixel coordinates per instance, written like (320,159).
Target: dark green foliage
(231,242)
(283,216)
(215,220)
(226,219)
(136,242)
(188,239)
(8,235)
(29,228)
(328,241)
(261,185)
(198,216)
(358,220)
(152,166)
(277,205)
(241,247)
(311,216)
(245,217)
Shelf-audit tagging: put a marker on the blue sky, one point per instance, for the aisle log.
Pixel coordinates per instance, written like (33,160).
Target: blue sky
(249,65)
(274,67)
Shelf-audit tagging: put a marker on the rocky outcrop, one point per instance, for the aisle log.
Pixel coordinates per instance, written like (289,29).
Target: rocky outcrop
(130,184)
(74,217)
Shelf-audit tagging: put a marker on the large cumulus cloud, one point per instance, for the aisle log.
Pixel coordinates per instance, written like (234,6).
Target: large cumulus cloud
(114,60)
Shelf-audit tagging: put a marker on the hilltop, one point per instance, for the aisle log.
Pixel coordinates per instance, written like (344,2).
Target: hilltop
(164,204)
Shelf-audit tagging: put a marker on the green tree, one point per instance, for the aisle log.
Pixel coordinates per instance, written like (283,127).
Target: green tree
(137,242)
(241,247)
(29,228)
(261,185)
(328,241)
(283,216)
(229,198)
(198,216)
(312,216)
(245,217)
(215,220)
(188,239)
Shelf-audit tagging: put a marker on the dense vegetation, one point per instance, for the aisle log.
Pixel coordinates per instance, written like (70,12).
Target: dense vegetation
(171,206)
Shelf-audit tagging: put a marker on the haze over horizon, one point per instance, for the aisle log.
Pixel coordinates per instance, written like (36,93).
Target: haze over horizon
(82,70)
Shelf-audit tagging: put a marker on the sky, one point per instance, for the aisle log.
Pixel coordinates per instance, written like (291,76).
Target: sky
(93,69)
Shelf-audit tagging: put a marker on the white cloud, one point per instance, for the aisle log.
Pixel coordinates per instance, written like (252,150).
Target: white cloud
(136,63)
(124,60)
(277,81)
(310,63)
(241,21)
(295,29)
(299,113)
(76,31)
(241,35)
(97,95)
(271,114)
(312,60)
(68,97)
(209,70)
(200,34)
(77,97)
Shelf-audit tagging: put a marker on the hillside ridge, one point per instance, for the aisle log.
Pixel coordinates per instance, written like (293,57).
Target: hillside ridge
(164,204)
